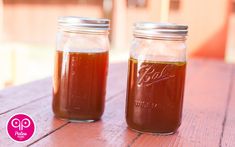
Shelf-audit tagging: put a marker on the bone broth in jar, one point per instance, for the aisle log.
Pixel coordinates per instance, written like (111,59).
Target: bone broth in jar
(156,77)
(81,66)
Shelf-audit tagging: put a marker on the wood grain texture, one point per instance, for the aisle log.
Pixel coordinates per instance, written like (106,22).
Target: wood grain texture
(40,109)
(204,109)
(228,139)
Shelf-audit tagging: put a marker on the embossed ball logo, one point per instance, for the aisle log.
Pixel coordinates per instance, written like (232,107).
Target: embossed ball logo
(20,127)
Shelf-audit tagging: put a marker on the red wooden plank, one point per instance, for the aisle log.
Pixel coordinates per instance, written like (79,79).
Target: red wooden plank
(228,139)
(204,109)
(42,114)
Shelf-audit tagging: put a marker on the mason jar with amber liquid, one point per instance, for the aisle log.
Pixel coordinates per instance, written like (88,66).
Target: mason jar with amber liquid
(156,77)
(81,66)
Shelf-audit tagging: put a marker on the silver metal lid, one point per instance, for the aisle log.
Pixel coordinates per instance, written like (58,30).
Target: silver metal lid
(85,24)
(160,30)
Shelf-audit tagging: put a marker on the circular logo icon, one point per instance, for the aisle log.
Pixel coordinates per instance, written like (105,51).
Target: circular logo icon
(20,127)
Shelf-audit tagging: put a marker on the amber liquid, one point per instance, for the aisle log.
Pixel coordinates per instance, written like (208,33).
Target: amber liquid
(79,85)
(155,95)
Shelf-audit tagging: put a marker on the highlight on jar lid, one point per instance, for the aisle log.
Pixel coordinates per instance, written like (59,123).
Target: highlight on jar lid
(160,30)
(86,24)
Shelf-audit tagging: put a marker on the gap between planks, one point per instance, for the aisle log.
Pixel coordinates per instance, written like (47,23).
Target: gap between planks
(231,84)
(37,99)
(134,139)
(48,133)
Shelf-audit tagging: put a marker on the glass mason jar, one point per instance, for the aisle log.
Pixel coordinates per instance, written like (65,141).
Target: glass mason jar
(156,77)
(81,65)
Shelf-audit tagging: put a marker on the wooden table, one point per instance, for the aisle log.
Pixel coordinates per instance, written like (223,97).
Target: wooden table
(208,113)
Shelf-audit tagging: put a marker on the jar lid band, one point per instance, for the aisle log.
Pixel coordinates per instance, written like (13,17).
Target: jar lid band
(73,23)
(160,30)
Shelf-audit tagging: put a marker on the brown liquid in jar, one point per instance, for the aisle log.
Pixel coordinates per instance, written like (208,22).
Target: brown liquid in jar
(79,85)
(155,95)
